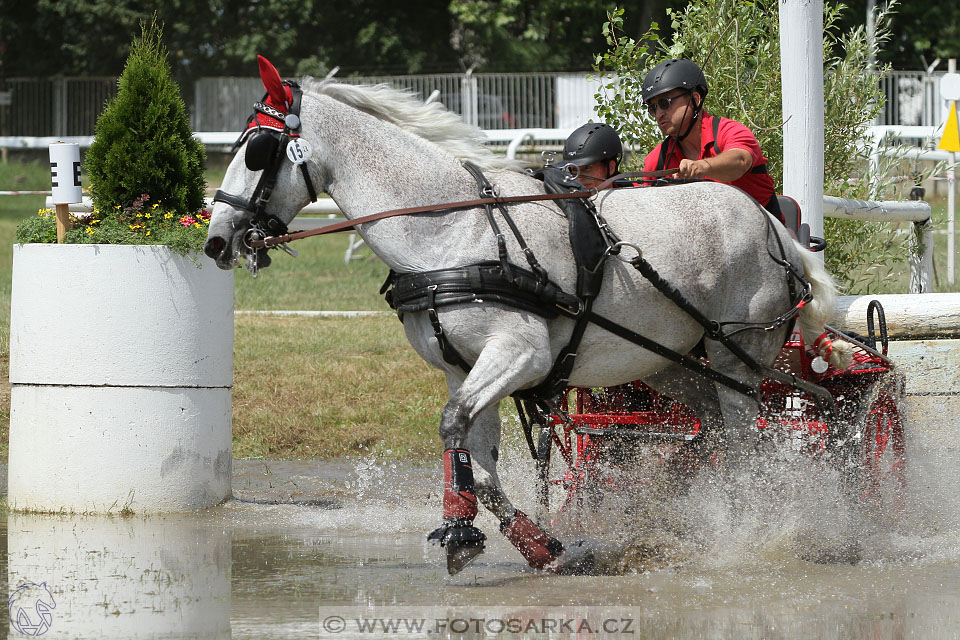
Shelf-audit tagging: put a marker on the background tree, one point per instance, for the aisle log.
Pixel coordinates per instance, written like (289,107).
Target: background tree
(369,37)
(541,35)
(365,37)
(921,31)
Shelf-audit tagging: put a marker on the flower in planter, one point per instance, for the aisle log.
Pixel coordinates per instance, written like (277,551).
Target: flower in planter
(140,223)
(145,168)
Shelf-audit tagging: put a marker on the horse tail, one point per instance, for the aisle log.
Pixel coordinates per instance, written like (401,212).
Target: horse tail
(818,310)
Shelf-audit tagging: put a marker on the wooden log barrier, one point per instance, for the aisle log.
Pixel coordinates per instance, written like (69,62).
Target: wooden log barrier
(909,316)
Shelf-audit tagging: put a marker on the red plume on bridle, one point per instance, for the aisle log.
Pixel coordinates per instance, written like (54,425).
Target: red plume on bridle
(269,114)
(279,95)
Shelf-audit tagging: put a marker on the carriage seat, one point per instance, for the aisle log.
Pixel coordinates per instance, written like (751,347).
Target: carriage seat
(790,209)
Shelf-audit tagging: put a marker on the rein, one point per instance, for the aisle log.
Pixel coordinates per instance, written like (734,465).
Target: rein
(272,241)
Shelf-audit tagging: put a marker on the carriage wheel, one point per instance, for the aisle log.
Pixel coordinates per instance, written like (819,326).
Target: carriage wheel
(876,457)
(884,456)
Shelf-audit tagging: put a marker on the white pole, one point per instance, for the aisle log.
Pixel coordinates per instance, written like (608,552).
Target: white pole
(951,197)
(801,62)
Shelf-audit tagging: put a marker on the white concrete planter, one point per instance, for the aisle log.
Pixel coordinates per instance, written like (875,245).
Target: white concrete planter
(121,366)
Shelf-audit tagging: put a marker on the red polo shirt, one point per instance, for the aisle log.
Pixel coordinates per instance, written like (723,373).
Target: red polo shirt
(730,135)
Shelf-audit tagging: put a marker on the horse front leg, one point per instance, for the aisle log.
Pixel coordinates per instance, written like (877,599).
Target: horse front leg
(470,430)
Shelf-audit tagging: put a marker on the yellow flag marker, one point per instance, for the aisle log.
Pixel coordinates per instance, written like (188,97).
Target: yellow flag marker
(950,140)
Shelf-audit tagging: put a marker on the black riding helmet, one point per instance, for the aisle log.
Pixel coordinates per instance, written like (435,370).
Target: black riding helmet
(676,73)
(593,142)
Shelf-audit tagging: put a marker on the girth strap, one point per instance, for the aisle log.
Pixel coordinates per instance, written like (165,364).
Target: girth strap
(450,354)
(486,281)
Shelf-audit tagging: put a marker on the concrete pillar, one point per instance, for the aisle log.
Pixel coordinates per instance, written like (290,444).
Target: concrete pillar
(121,366)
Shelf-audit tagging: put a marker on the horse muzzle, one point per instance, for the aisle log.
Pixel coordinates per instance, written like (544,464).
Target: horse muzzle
(231,254)
(219,250)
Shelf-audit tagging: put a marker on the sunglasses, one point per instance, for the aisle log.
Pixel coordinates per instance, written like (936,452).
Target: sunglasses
(662,103)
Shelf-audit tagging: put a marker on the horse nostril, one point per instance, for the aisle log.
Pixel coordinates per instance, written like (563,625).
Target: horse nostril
(213,247)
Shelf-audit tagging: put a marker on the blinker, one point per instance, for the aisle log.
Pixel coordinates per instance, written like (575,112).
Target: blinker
(261,148)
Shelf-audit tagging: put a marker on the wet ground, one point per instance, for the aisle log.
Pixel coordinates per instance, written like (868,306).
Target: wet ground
(307,546)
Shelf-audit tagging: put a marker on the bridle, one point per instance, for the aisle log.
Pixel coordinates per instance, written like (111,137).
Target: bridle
(267,145)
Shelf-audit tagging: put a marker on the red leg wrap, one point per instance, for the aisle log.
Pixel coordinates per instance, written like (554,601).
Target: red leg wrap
(458,498)
(538,547)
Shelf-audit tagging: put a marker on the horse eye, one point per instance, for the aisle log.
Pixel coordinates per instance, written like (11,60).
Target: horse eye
(260,149)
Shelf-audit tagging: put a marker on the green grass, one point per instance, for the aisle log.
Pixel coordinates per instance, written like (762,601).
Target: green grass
(317,279)
(939,217)
(319,387)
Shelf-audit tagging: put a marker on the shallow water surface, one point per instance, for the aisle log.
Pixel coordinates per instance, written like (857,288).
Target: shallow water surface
(305,542)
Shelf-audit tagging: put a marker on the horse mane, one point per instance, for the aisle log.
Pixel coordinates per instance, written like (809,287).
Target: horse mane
(432,122)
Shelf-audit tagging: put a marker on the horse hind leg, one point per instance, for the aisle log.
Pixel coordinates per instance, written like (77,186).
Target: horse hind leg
(700,396)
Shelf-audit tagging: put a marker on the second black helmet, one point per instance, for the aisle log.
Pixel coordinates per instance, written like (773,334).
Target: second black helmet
(593,142)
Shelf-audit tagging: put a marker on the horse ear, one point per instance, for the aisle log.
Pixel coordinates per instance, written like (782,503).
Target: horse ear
(273,83)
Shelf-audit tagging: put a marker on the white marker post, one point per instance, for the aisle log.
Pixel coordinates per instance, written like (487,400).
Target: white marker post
(950,141)
(65,176)
(801,63)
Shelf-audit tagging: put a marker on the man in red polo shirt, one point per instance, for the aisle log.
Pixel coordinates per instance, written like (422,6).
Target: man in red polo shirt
(698,144)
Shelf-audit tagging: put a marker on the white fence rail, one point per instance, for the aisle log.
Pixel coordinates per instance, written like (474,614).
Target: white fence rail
(925,139)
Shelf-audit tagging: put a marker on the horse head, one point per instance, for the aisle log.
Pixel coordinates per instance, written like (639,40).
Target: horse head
(269,180)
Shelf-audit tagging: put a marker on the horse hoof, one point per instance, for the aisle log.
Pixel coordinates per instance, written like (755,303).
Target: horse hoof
(463,542)
(578,559)
(459,556)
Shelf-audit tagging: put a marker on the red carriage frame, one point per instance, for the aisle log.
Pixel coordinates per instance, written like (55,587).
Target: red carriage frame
(867,393)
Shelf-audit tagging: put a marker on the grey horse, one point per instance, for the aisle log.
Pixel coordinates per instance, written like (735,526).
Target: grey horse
(374,148)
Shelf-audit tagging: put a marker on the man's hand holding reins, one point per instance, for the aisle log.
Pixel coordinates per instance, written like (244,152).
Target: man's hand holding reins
(726,167)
